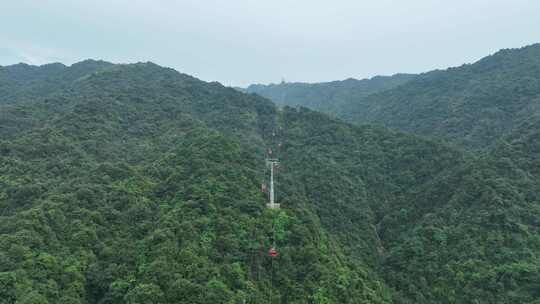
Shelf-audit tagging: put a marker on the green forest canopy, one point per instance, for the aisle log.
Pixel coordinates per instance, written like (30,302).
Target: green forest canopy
(138,184)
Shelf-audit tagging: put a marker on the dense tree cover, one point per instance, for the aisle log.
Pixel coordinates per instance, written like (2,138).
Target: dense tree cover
(522,145)
(329,97)
(473,105)
(138,184)
(448,227)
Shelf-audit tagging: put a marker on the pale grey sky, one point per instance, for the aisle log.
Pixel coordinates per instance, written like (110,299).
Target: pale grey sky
(238,42)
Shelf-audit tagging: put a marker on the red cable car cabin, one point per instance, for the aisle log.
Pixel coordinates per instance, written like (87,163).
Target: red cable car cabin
(272,252)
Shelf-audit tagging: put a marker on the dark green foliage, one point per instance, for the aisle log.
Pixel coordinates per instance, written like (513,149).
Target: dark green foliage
(138,184)
(141,185)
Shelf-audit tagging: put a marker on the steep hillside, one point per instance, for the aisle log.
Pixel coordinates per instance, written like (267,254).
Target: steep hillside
(329,97)
(449,227)
(138,184)
(473,104)
(522,146)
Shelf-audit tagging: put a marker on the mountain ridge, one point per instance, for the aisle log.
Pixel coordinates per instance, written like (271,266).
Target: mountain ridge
(473,104)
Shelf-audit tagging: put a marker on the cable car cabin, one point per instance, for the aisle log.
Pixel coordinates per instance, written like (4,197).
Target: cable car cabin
(272,252)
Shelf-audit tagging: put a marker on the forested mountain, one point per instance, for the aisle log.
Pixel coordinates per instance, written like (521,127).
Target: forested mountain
(329,97)
(139,184)
(473,105)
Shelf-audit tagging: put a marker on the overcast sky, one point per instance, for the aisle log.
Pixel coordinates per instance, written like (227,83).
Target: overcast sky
(238,42)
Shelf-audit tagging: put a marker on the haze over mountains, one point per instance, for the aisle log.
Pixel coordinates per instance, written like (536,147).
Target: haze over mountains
(138,184)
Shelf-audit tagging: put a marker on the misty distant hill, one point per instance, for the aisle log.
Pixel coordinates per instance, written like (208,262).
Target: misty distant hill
(329,97)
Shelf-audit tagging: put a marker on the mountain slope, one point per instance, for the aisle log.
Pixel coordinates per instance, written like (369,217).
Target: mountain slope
(449,227)
(473,105)
(329,97)
(138,184)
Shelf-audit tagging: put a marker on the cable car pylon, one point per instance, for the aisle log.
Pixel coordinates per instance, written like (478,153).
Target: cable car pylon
(272,163)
